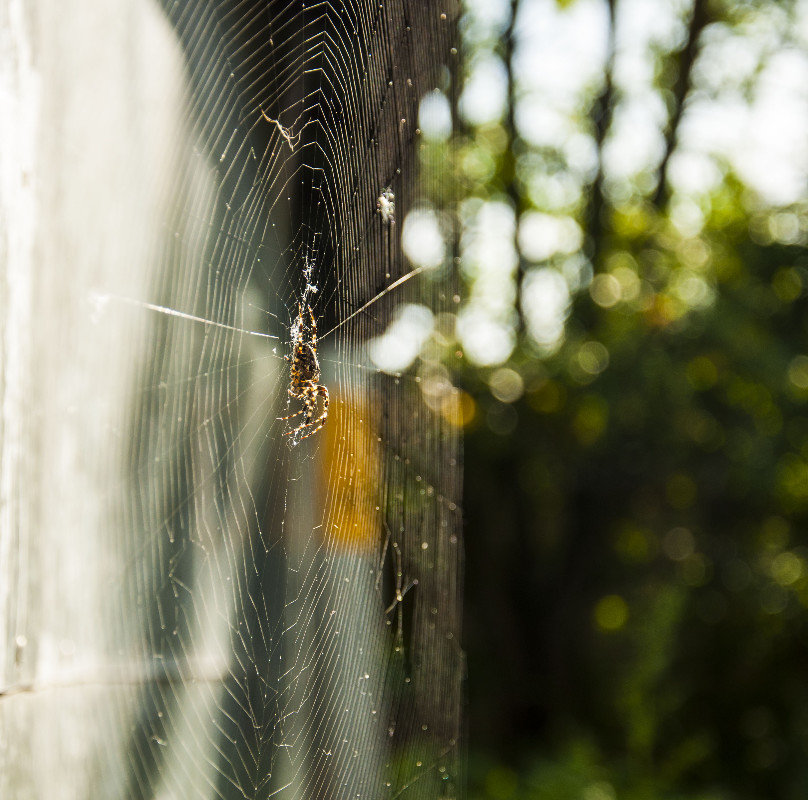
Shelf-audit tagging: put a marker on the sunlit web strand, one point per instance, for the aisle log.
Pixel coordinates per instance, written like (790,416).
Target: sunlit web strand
(394,285)
(173,312)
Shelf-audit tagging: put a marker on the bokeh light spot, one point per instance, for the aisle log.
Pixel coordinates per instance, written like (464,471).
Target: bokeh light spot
(506,385)
(422,239)
(792,479)
(485,90)
(629,283)
(545,301)
(611,613)
(634,545)
(435,116)
(486,340)
(798,372)
(401,343)
(593,358)
(787,568)
(605,290)
(543,235)
(460,410)
(679,544)
(601,790)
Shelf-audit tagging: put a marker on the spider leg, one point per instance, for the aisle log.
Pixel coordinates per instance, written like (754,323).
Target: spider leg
(309,397)
(313,328)
(297,413)
(316,391)
(310,403)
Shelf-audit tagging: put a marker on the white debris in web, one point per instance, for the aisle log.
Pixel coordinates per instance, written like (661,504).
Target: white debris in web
(284,132)
(386,205)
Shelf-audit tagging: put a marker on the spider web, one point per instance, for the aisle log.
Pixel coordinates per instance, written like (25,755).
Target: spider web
(282,612)
(327,691)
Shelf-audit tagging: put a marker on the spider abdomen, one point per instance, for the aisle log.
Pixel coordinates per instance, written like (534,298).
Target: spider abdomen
(305,366)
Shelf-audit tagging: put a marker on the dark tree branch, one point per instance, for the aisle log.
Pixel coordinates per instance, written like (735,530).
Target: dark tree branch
(509,171)
(601,117)
(685,60)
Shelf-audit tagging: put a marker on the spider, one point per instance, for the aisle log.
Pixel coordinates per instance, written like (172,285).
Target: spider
(305,374)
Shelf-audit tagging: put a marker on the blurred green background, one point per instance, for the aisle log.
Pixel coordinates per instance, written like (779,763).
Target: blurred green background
(630,181)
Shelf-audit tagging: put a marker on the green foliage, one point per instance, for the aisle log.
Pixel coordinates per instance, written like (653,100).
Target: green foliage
(637,504)
(651,551)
